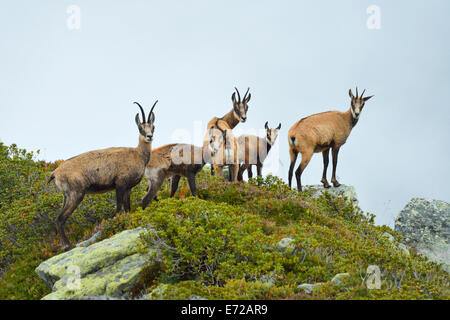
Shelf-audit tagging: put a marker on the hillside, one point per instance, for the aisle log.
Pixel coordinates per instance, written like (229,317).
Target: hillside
(256,240)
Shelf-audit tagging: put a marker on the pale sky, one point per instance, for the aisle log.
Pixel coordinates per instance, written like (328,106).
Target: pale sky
(69,91)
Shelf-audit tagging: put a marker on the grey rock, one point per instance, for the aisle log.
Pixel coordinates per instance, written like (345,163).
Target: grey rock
(285,243)
(91,240)
(309,287)
(108,268)
(425,225)
(341,191)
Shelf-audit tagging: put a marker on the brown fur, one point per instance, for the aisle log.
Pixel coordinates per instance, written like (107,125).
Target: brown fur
(100,171)
(253,150)
(230,120)
(320,133)
(175,161)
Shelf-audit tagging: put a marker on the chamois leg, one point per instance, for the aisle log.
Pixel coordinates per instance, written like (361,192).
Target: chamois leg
(126,200)
(259,169)
(232,172)
(325,155)
(155,185)
(212,170)
(174,186)
(335,153)
(192,184)
(71,201)
(249,171)
(242,168)
(293,154)
(298,173)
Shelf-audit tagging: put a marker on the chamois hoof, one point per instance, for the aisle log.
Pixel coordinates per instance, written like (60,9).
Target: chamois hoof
(336,184)
(325,183)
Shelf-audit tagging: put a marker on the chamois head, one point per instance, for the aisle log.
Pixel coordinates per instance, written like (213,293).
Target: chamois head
(146,128)
(216,140)
(271,134)
(357,103)
(240,107)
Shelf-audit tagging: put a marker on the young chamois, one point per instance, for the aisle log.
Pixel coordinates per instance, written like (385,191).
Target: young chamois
(253,150)
(104,170)
(176,161)
(237,114)
(221,150)
(320,133)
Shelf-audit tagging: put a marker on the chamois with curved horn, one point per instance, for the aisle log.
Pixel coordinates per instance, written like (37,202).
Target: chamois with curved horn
(226,123)
(321,132)
(253,150)
(99,171)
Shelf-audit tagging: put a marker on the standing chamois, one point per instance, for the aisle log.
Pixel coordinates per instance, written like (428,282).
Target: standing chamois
(321,132)
(176,161)
(237,114)
(104,170)
(253,150)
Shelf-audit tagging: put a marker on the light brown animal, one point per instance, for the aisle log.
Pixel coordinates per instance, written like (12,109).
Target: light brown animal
(237,114)
(99,171)
(253,150)
(175,161)
(320,133)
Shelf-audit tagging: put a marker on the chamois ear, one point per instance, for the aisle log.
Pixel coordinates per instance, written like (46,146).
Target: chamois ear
(248,98)
(350,93)
(279,126)
(266,126)
(367,98)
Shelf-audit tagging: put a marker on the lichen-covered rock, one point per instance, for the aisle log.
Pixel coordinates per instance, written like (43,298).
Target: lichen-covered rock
(108,268)
(286,243)
(425,225)
(309,287)
(341,191)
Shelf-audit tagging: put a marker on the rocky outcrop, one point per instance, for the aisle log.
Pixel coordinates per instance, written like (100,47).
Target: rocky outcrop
(109,268)
(341,191)
(425,225)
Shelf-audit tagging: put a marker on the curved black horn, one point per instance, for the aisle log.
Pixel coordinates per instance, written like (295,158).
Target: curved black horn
(239,95)
(151,111)
(142,111)
(363,93)
(245,96)
(357,92)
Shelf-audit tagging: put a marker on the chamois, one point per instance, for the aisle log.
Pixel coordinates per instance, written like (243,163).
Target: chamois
(221,150)
(321,132)
(237,114)
(253,150)
(172,160)
(104,170)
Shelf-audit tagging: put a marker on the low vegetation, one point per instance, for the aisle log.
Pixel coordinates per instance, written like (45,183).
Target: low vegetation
(221,245)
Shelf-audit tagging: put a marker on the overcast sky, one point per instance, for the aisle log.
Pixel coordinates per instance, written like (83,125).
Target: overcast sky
(66,90)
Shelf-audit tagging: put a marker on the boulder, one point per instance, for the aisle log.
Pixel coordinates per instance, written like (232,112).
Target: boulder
(341,191)
(107,268)
(340,278)
(425,225)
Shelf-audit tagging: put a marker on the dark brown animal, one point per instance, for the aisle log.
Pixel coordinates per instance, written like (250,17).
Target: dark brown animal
(253,150)
(320,133)
(175,161)
(99,171)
